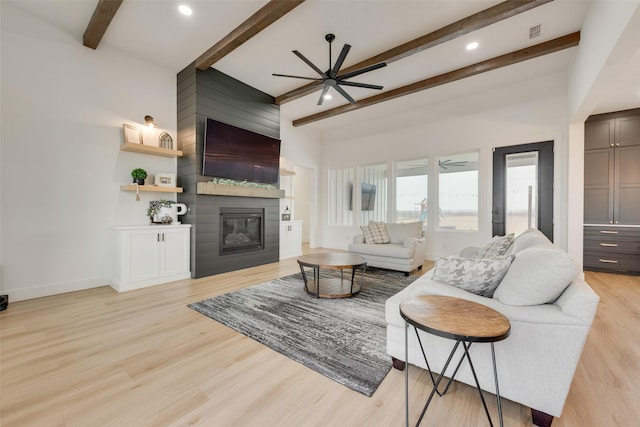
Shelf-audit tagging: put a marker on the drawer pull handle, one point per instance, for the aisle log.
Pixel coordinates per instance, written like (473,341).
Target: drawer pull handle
(609,245)
(608,232)
(609,261)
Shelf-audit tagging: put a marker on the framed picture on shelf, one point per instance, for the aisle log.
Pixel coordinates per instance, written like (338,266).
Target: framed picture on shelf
(286,217)
(165,179)
(132,134)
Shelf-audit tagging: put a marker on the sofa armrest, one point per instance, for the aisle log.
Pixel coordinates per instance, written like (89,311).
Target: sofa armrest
(418,246)
(579,300)
(469,251)
(358,238)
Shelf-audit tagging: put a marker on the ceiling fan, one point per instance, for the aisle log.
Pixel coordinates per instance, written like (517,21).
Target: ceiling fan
(445,164)
(330,78)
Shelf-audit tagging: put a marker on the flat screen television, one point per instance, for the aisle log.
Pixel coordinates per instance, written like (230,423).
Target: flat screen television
(367,197)
(234,153)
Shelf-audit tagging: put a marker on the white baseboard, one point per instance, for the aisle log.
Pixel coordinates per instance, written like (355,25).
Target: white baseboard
(54,289)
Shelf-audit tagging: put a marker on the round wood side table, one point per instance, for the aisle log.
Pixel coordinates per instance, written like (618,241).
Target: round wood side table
(460,320)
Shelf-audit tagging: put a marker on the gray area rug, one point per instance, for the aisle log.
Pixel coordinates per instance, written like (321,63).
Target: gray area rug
(343,339)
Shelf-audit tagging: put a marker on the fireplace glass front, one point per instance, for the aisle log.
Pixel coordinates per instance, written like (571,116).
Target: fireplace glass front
(241,230)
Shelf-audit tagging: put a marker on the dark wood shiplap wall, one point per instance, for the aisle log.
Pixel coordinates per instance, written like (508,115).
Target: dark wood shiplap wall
(213,94)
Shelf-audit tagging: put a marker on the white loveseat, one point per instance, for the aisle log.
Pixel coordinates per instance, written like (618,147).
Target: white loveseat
(404,251)
(536,363)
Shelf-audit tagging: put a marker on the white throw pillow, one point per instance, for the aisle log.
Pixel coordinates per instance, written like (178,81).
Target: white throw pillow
(375,232)
(529,238)
(538,275)
(497,246)
(399,233)
(478,276)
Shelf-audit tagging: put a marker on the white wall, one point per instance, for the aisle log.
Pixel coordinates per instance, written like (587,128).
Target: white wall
(475,122)
(63,106)
(301,152)
(608,38)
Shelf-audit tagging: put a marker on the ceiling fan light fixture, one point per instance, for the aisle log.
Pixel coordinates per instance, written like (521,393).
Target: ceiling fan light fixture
(472,45)
(328,96)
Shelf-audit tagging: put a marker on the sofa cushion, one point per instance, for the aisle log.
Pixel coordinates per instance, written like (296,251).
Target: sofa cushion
(398,233)
(529,238)
(538,275)
(496,247)
(390,250)
(478,276)
(375,232)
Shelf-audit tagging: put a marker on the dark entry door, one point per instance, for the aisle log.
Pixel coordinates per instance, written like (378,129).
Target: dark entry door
(523,188)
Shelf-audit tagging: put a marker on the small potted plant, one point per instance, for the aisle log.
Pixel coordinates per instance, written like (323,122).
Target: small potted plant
(138,176)
(160,211)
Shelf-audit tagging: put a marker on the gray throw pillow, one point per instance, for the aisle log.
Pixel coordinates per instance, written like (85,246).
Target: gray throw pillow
(478,276)
(497,246)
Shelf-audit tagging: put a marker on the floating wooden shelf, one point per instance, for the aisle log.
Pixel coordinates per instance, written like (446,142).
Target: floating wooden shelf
(150,149)
(154,188)
(235,190)
(286,172)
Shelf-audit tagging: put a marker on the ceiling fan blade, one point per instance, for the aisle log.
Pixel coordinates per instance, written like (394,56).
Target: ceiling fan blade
(361,71)
(365,85)
(296,77)
(310,64)
(324,92)
(306,87)
(343,54)
(345,94)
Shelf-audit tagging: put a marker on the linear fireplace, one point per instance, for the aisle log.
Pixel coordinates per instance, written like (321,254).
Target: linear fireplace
(241,230)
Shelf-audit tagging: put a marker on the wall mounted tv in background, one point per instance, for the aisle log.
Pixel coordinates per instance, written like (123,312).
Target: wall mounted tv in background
(367,197)
(234,153)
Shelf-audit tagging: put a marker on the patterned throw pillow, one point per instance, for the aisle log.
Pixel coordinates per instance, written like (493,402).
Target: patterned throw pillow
(478,276)
(496,247)
(375,232)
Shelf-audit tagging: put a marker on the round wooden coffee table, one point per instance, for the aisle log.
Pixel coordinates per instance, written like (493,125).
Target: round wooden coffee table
(465,322)
(331,287)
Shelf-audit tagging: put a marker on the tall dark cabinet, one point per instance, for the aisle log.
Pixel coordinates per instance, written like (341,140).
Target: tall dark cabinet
(612,192)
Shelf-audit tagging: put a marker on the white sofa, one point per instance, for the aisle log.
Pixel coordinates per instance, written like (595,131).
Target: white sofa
(536,363)
(404,252)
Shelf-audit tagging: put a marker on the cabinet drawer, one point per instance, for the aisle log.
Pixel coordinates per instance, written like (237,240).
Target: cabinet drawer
(612,262)
(612,233)
(607,246)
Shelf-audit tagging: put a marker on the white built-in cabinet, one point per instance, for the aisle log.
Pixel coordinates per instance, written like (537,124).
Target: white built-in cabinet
(150,255)
(290,239)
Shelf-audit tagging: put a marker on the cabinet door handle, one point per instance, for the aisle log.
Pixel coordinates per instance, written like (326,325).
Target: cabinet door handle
(158,236)
(609,245)
(163,237)
(608,232)
(609,261)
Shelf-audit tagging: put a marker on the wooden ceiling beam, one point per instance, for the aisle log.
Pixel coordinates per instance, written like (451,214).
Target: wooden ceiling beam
(452,31)
(100,20)
(511,58)
(260,20)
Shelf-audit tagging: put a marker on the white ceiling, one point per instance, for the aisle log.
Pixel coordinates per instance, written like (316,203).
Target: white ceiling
(156,32)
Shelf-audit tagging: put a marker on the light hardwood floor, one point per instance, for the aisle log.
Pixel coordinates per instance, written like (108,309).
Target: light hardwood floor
(142,358)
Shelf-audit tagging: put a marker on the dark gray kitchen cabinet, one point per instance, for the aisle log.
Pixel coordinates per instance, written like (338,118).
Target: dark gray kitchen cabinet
(612,192)
(610,130)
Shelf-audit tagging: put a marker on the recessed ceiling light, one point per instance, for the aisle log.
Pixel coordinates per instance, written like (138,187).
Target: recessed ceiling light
(185,10)
(472,45)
